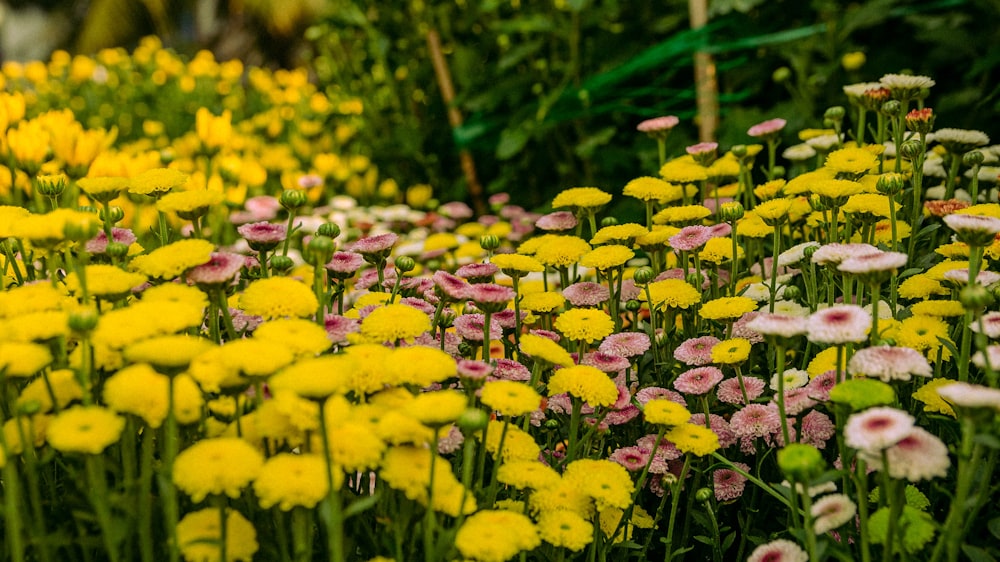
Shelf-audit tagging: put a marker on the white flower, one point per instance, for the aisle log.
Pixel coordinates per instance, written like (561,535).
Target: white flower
(889,363)
(823,142)
(965,138)
(790,308)
(877,428)
(858,90)
(905,82)
(971,395)
(780,550)
(839,324)
(799,152)
(795,254)
(919,455)
(832,511)
(794,378)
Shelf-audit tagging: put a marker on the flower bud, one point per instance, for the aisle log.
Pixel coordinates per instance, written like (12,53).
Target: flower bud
(328,229)
(29,407)
(777,172)
(739,150)
(116,250)
(801,462)
(834,113)
(890,184)
(703,495)
(472,421)
(975,297)
(732,211)
(609,221)
(319,250)
(643,275)
(51,185)
(292,199)
(973,158)
(920,120)
(84,320)
(808,252)
(116,214)
(404,264)
(281,264)
(891,107)
(552,424)
(791,293)
(633,305)
(489,242)
(781,75)
(911,149)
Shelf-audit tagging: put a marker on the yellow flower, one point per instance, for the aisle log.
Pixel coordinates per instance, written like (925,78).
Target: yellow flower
(517,263)
(407,469)
(157,181)
(437,408)
(561,251)
(198,535)
(651,189)
(774,211)
(661,411)
(106,281)
(84,429)
(672,293)
(354,446)
(518,445)
(418,365)
(852,161)
(928,394)
(523,474)
(922,333)
(770,190)
(835,189)
(194,202)
(394,322)
(317,377)
(607,257)
(940,308)
(63,385)
(683,170)
(547,301)
(173,352)
(622,234)
(921,286)
(753,226)
(496,536)
(585,324)
(561,495)
(223,366)
(370,374)
(657,237)
(607,482)
(510,398)
(585,382)
(174,259)
(22,359)
(221,465)
(802,183)
(289,480)
(718,250)
(871,204)
(544,349)
(214,132)
(49,229)
(103,189)
(695,439)
(278,297)
(727,308)
(141,391)
(175,293)
(731,351)
(824,361)
(581,197)
(301,337)
(565,529)
(681,214)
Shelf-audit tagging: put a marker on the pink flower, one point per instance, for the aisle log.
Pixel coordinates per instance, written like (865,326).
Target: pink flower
(919,455)
(729,389)
(470,327)
(378,245)
(729,484)
(767,128)
(702,148)
(455,210)
(99,243)
(586,293)
(651,392)
(658,124)
(839,324)
(262,207)
(345,264)
(719,426)
(780,550)
(690,238)
(490,296)
(698,381)
(474,370)
(606,362)
(755,420)
(633,458)
(664,449)
(337,327)
(625,344)
(450,286)
(876,429)
(834,254)
(890,363)
(819,387)
(797,400)
(262,235)
(508,369)
(696,351)
(778,325)
(832,511)
(477,272)
(559,220)
(222,268)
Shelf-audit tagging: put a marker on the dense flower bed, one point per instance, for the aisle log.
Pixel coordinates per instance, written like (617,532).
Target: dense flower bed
(209,352)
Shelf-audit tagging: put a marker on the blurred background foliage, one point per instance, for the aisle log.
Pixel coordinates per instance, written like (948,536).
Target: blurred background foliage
(550,92)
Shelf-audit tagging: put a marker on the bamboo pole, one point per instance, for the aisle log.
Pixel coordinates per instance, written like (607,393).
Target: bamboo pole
(706,85)
(443,75)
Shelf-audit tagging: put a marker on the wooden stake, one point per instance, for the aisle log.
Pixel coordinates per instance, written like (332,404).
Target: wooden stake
(454,117)
(706,86)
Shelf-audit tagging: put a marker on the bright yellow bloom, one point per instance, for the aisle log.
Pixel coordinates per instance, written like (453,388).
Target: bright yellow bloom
(510,398)
(581,197)
(222,465)
(681,214)
(157,181)
(619,233)
(542,348)
(302,337)
(585,324)
(288,480)
(278,297)
(727,308)
(851,160)
(84,429)
(651,189)
(394,322)
(168,262)
(661,411)
(496,536)
(198,535)
(607,482)
(607,257)
(585,382)
(928,394)
(561,251)
(672,293)
(731,351)
(695,439)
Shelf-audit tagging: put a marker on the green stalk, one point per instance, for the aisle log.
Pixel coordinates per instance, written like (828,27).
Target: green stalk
(145,497)
(335,519)
(301,539)
(675,493)
(99,497)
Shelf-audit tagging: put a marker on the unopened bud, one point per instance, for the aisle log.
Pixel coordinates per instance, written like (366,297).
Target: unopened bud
(116,250)
(834,113)
(791,293)
(801,462)
(890,184)
(911,149)
(739,150)
(643,275)
(973,158)
(328,229)
(404,264)
(703,495)
(115,213)
(633,306)
(320,249)
(51,185)
(281,264)
(782,75)
(892,107)
(471,421)
(777,172)
(489,242)
(609,221)
(84,320)
(975,297)
(732,211)
(292,199)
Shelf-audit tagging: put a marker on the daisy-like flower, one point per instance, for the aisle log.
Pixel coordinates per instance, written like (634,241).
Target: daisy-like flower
(797,400)
(262,236)
(606,362)
(477,272)
(222,465)
(889,363)
(221,268)
(581,324)
(691,238)
(971,396)
(288,480)
(665,412)
(199,533)
(394,322)
(919,455)
(658,125)
(654,392)
(581,197)
(755,420)
(625,344)
(895,82)
(729,391)
(650,189)
(975,230)
(374,247)
(839,324)
(767,129)
(852,160)
(719,426)
(557,221)
(584,382)
(799,152)
(167,262)
(99,243)
(698,381)
(960,141)
(470,327)
(876,429)
(496,536)
(606,257)
(832,511)
(834,254)
(586,293)
(778,325)
(731,351)
(817,429)
(633,458)
(490,297)
(84,429)
(794,378)
(541,348)
(695,439)
(696,351)
(875,265)
(343,265)
(510,398)
(277,297)
(780,550)
(728,484)
(727,308)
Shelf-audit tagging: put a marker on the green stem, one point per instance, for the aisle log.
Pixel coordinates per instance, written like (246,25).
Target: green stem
(99,497)
(301,540)
(675,492)
(145,497)
(335,516)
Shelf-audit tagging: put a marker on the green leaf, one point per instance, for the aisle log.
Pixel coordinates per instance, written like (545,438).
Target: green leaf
(519,53)
(362,505)
(976,554)
(590,144)
(511,142)
(988,440)
(994,527)
(703,539)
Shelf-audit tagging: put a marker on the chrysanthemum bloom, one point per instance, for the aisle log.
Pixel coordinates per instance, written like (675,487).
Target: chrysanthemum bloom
(338,327)
(876,429)
(632,458)
(418,365)
(199,532)
(375,247)
(562,251)
(755,420)
(832,511)
(557,221)
(665,412)
(222,465)
(690,238)
(889,363)
(581,198)
(582,324)
(172,352)
(975,230)
(606,362)
(545,349)
(834,254)
(394,322)
(23,359)
(470,327)
(531,474)
(357,446)
(607,257)
(103,189)
(728,484)
(696,351)
(288,480)
(221,268)
(779,550)
(157,181)
(620,234)
(141,391)
(729,390)
(517,443)
(682,213)
(851,161)
(919,455)
(263,236)
(695,439)
(698,381)
(490,297)
(658,125)
(106,281)
(672,293)
(607,482)
(477,272)
(167,262)
(278,297)
(767,129)
(84,429)
(584,382)
(565,529)
(343,265)
(726,308)
(99,243)
(731,351)
(586,294)
(510,398)
(189,204)
(839,324)
(972,396)
(960,141)
(625,344)
(817,429)
(874,267)
(496,536)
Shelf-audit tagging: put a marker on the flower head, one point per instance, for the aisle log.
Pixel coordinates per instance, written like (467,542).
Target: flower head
(222,465)
(84,429)
(876,429)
